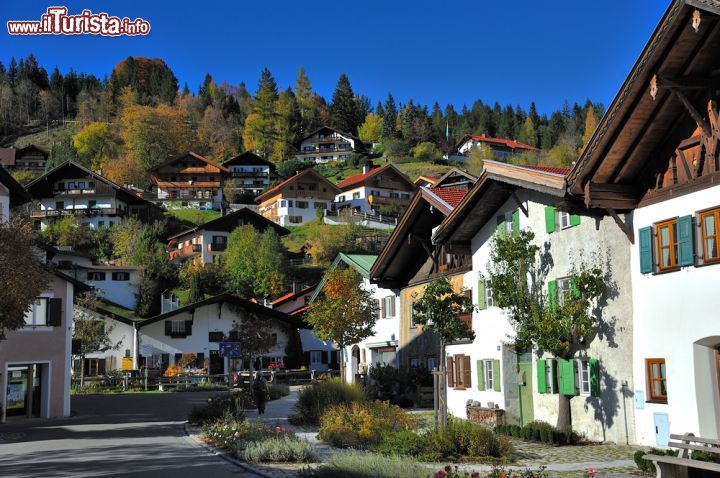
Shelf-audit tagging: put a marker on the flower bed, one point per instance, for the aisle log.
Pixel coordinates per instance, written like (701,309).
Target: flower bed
(540,432)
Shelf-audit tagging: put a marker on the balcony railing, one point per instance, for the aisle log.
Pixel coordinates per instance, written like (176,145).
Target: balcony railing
(217,246)
(376,199)
(97,189)
(249,174)
(79,212)
(185,251)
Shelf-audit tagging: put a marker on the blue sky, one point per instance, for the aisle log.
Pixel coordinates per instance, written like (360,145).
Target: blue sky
(449,51)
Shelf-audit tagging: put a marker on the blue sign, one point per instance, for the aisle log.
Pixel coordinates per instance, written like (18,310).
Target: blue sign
(229,349)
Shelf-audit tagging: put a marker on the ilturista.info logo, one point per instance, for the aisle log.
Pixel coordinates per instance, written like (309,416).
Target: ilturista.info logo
(56,21)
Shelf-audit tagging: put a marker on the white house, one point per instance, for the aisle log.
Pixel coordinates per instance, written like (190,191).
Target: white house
(328,144)
(382,346)
(251,174)
(655,154)
(298,200)
(376,190)
(502,149)
(525,383)
(208,241)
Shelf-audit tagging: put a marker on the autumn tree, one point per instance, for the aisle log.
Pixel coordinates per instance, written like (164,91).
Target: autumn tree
(95,144)
(371,130)
(441,305)
(591,122)
(217,135)
(260,130)
(346,312)
(528,135)
(254,334)
(68,231)
(477,156)
(125,170)
(561,326)
(253,262)
(90,329)
(19,290)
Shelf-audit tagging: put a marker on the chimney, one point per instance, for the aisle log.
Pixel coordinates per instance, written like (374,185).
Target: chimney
(168,302)
(365,169)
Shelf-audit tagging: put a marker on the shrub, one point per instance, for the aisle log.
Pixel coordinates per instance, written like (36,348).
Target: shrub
(285,448)
(540,431)
(647,465)
(403,442)
(705,456)
(277,390)
(362,425)
(315,399)
(232,404)
(235,435)
(366,465)
(390,383)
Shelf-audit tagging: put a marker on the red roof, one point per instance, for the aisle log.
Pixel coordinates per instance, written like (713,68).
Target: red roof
(546,169)
(291,295)
(449,195)
(357,178)
(508,143)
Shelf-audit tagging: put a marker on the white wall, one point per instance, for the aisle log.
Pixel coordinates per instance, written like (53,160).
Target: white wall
(673,311)
(121,335)
(4,203)
(308,214)
(120,292)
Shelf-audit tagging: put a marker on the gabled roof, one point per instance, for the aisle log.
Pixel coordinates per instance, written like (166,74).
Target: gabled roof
(357,179)
(37,186)
(425,179)
(248,158)
(329,128)
(30,147)
(292,296)
(507,143)
(362,263)
(548,169)
(407,243)
(194,155)
(639,129)
(18,194)
(496,185)
(454,172)
(228,222)
(225,297)
(292,179)
(449,195)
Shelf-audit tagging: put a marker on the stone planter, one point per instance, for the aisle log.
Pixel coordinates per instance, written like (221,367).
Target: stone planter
(485,416)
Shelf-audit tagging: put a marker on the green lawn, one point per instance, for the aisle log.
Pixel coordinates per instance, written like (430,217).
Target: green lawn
(121,311)
(411,170)
(42,139)
(194,216)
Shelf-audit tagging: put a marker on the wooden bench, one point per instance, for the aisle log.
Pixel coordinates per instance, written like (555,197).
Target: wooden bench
(680,466)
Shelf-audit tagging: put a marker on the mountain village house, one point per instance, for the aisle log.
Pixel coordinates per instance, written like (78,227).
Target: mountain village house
(381,347)
(654,159)
(328,144)
(455,179)
(207,241)
(520,386)
(250,175)
(380,189)
(189,180)
(30,158)
(73,190)
(296,200)
(35,359)
(502,149)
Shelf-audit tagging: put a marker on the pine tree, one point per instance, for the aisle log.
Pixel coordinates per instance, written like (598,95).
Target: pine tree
(304,97)
(344,108)
(288,126)
(528,135)
(389,118)
(261,125)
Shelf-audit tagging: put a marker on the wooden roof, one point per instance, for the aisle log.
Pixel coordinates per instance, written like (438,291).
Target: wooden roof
(228,222)
(637,129)
(190,154)
(357,180)
(307,174)
(249,158)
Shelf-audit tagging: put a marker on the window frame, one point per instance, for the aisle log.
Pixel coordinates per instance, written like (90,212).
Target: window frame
(122,276)
(672,247)
(488,376)
(715,213)
(489,300)
(660,362)
(563,291)
(563,215)
(96,276)
(316,354)
(34,312)
(178,327)
(582,369)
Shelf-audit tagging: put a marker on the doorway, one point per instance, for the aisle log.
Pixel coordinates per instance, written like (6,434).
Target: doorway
(525,386)
(24,394)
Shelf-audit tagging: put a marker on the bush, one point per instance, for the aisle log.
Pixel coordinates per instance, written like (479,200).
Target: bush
(236,435)
(314,400)
(541,432)
(403,442)
(362,425)
(278,390)
(647,465)
(366,465)
(705,456)
(390,383)
(286,448)
(218,406)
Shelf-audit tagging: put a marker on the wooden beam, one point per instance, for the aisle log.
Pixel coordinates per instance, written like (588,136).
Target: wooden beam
(604,195)
(680,154)
(689,82)
(519,203)
(693,112)
(629,233)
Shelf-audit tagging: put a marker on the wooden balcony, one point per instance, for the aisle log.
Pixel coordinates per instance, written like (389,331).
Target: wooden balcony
(98,189)
(40,214)
(185,251)
(389,201)
(217,246)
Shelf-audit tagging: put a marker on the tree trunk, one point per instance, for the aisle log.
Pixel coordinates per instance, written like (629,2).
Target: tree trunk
(82,371)
(564,413)
(443,386)
(341,353)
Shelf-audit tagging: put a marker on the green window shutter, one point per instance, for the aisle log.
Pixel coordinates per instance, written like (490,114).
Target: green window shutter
(686,256)
(566,376)
(552,294)
(516,222)
(573,287)
(646,249)
(553,376)
(496,375)
(481,295)
(549,219)
(541,378)
(594,377)
(501,225)
(574,220)
(480,375)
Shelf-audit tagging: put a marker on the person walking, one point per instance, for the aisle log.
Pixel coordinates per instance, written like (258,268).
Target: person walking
(260,390)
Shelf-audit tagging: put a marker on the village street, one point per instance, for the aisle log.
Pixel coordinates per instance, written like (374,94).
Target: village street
(128,435)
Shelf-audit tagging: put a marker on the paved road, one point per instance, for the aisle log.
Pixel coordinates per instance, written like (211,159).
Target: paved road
(132,435)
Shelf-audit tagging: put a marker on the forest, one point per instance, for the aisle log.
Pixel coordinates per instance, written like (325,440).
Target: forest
(139,116)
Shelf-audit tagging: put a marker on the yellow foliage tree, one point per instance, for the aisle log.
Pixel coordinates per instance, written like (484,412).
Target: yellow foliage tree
(95,144)
(371,129)
(591,122)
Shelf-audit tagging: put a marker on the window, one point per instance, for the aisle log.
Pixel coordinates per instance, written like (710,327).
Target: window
(488,374)
(462,371)
(387,307)
(301,204)
(657,379)
(667,248)
(121,276)
(92,203)
(283,203)
(431,363)
(178,327)
(583,376)
(71,185)
(101,223)
(341,198)
(489,301)
(550,386)
(316,356)
(81,185)
(564,289)
(95,276)
(320,205)
(215,336)
(414,362)
(708,227)
(564,219)
(273,339)
(37,315)
(356,195)
(295,219)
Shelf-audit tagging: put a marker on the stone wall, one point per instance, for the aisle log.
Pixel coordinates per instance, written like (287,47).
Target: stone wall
(485,416)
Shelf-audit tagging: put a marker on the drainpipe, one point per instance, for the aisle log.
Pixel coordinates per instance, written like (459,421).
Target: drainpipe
(135,347)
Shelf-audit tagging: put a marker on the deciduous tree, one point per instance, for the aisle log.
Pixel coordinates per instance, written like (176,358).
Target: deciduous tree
(371,130)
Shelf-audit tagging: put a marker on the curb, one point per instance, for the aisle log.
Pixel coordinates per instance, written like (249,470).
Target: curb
(240,464)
